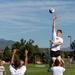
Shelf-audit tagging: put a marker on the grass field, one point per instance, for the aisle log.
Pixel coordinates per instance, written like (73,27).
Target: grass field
(32,70)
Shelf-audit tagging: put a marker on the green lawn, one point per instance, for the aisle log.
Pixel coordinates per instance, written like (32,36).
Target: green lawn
(32,70)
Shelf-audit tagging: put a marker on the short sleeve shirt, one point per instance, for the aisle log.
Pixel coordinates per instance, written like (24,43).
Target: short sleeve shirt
(56,39)
(57,70)
(2,69)
(20,71)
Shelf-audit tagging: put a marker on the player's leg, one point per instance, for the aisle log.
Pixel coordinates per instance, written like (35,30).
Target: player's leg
(53,58)
(61,61)
(52,62)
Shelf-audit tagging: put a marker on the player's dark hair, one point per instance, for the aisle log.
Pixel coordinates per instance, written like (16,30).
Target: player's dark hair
(59,30)
(56,62)
(17,63)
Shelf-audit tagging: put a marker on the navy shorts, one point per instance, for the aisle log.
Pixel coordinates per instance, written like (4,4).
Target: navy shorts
(55,53)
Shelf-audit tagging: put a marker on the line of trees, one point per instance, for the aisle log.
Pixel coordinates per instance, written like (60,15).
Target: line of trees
(20,46)
(42,53)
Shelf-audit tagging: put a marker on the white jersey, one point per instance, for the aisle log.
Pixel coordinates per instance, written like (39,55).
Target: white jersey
(20,71)
(57,70)
(2,69)
(56,39)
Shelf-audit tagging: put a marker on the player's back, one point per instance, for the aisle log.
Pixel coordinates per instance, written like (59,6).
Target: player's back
(57,70)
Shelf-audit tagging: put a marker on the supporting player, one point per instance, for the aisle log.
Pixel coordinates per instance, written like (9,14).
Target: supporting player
(57,69)
(2,68)
(17,69)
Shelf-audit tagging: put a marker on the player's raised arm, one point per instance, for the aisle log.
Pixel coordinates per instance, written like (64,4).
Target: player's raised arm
(26,58)
(54,23)
(12,57)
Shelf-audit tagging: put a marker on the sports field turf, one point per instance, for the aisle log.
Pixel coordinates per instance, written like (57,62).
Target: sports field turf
(32,70)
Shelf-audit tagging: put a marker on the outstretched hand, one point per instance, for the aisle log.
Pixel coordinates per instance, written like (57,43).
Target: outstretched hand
(52,41)
(14,50)
(54,17)
(26,51)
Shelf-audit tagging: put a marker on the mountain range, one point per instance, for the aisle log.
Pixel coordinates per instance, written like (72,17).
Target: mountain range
(65,49)
(4,43)
(9,43)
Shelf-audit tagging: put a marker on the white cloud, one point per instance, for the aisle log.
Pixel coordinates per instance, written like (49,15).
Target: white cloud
(33,14)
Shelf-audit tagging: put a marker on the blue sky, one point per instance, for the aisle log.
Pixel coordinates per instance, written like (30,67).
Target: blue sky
(30,19)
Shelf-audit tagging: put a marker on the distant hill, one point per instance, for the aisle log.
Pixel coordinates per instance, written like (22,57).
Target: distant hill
(9,43)
(63,49)
(66,49)
(4,43)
